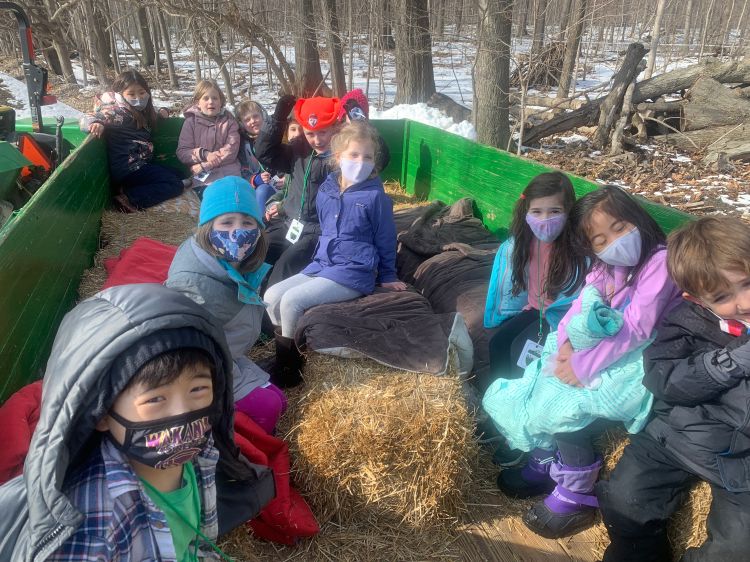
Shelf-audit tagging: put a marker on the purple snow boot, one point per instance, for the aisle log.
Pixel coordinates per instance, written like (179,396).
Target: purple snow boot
(532,479)
(571,507)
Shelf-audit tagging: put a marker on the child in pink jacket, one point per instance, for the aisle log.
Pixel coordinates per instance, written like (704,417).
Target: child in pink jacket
(210,137)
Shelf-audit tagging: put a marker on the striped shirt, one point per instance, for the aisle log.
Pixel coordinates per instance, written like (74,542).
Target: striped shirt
(120,520)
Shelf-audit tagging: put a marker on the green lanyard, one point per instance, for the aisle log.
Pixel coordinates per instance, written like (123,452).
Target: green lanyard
(188,523)
(252,151)
(540,294)
(304,184)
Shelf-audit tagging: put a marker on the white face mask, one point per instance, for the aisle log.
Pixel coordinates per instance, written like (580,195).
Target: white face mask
(136,103)
(355,171)
(625,251)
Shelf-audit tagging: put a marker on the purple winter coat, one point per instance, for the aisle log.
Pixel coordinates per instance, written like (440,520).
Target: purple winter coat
(201,134)
(357,244)
(644,303)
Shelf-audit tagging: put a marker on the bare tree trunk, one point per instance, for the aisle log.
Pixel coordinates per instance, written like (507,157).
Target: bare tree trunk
(492,73)
(308,71)
(687,28)
(565,18)
(387,41)
(335,54)
(523,23)
(144,38)
(415,81)
(655,34)
(98,28)
(63,55)
(540,15)
(165,38)
(572,43)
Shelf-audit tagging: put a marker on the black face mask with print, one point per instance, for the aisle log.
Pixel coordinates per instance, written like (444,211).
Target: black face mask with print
(165,442)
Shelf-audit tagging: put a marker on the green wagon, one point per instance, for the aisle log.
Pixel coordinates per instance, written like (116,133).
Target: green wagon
(48,244)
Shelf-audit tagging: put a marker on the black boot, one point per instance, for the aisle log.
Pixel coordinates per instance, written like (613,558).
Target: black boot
(289,362)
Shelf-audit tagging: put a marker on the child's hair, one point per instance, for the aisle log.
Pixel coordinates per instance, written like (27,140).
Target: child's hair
(700,252)
(250,106)
(204,86)
(250,263)
(566,267)
(167,367)
(356,131)
(143,119)
(617,203)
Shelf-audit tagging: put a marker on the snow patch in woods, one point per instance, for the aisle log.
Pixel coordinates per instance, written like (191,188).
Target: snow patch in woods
(575,137)
(742,203)
(20,97)
(422,113)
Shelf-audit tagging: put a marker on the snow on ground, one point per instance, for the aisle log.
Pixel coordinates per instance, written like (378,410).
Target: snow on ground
(20,101)
(422,113)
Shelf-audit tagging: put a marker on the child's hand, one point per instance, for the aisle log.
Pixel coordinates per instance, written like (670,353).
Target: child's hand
(394,285)
(196,169)
(163,112)
(213,159)
(284,107)
(265,177)
(565,351)
(272,211)
(97,129)
(564,372)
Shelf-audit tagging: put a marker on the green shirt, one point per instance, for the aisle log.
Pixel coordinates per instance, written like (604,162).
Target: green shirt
(186,500)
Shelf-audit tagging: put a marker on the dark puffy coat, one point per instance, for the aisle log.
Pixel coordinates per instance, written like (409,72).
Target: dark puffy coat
(702,421)
(294,158)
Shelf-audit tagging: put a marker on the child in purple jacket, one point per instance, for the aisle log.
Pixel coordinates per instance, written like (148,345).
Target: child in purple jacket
(210,136)
(595,373)
(357,245)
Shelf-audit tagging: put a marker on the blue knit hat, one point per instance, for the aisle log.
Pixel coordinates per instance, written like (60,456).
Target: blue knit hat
(230,194)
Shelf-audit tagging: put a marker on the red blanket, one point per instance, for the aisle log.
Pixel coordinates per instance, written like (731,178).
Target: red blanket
(145,261)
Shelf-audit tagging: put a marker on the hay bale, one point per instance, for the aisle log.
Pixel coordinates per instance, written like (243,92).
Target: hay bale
(687,528)
(383,446)
(120,230)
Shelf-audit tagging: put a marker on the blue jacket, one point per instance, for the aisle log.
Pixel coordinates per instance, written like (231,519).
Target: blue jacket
(357,244)
(502,305)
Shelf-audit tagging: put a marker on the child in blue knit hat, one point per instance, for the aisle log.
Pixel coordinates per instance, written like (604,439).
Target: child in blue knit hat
(221,267)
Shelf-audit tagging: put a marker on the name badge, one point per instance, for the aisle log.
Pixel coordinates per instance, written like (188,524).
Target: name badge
(295,231)
(531,352)
(202,176)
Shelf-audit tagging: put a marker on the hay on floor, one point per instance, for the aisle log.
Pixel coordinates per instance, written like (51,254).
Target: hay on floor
(120,230)
(688,526)
(372,443)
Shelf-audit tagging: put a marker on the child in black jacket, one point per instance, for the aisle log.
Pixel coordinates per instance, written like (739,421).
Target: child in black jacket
(699,371)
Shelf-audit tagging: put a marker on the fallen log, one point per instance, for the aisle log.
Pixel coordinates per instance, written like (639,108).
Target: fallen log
(710,104)
(681,79)
(612,105)
(710,139)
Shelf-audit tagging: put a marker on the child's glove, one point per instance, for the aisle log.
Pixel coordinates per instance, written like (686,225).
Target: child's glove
(354,110)
(284,107)
(727,366)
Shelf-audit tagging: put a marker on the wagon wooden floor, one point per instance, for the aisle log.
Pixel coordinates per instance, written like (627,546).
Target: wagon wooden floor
(495,535)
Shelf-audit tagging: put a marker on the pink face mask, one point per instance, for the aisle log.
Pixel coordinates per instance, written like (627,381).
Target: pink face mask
(547,230)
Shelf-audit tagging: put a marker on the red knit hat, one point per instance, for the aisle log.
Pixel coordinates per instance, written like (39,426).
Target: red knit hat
(318,113)
(357,95)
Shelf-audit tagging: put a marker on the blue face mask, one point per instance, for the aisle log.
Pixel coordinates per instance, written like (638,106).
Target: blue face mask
(234,245)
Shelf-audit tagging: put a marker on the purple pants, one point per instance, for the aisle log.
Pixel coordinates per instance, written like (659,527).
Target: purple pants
(264,405)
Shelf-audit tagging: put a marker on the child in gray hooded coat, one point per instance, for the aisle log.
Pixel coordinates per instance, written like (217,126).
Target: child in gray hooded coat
(221,267)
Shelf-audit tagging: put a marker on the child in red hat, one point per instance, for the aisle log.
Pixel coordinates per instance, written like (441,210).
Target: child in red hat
(292,217)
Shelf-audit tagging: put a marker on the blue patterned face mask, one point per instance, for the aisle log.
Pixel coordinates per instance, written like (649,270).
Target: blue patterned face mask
(234,245)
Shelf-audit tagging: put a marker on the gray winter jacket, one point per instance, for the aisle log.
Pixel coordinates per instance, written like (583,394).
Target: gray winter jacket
(37,517)
(199,276)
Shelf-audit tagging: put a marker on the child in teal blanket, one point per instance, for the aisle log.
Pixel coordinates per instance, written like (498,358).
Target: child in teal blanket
(591,368)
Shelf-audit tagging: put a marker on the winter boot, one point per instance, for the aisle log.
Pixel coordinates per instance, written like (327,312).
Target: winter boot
(286,372)
(532,479)
(571,507)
